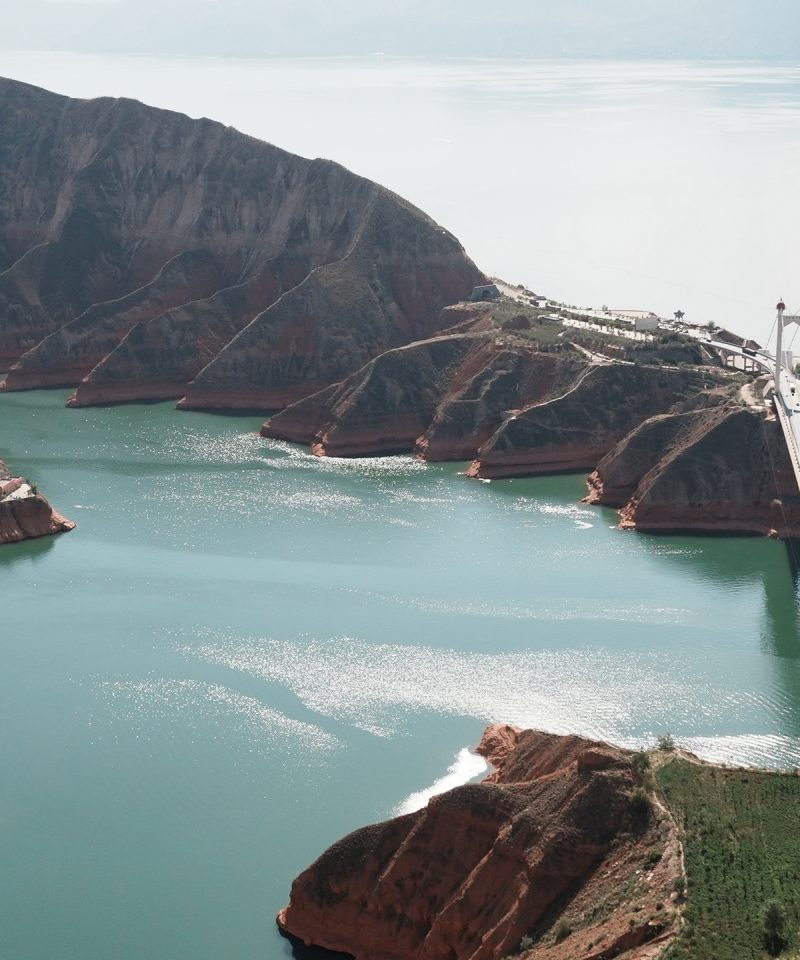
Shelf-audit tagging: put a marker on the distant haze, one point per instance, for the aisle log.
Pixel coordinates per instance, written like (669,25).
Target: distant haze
(513,28)
(649,185)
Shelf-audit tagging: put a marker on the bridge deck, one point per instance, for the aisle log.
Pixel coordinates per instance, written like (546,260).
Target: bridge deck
(787,402)
(791,427)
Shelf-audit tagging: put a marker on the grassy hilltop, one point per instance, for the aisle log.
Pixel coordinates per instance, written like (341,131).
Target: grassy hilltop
(741,837)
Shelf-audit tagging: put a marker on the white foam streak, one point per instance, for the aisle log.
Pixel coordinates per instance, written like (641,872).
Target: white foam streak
(466,766)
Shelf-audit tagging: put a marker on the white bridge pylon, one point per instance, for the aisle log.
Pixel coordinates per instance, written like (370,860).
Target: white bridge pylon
(783,319)
(786,386)
(786,395)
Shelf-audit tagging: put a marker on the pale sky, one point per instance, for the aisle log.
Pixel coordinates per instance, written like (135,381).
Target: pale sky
(671,29)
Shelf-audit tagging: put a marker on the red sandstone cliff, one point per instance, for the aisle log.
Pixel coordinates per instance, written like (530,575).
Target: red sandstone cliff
(507,375)
(388,290)
(548,837)
(29,517)
(718,469)
(440,397)
(71,352)
(140,247)
(574,431)
(380,409)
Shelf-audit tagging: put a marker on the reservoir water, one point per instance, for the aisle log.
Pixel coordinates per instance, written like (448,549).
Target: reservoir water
(243,652)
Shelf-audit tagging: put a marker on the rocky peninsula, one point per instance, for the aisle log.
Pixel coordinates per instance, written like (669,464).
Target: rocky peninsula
(24,512)
(571,850)
(486,866)
(662,431)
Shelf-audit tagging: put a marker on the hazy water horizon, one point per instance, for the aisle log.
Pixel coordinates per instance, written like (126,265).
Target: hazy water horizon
(658,185)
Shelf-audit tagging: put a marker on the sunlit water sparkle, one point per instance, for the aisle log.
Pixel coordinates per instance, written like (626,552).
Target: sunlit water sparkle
(243,651)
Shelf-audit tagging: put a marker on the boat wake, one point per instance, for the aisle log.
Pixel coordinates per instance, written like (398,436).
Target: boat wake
(466,766)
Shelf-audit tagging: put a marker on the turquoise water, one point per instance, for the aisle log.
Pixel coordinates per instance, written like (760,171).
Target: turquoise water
(243,652)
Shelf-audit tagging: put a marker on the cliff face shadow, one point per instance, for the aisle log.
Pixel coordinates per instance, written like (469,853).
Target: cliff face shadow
(782,615)
(720,560)
(27,551)
(292,947)
(782,603)
(776,567)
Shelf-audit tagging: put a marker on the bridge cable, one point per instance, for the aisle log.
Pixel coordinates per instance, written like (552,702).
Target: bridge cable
(772,330)
(794,335)
(789,540)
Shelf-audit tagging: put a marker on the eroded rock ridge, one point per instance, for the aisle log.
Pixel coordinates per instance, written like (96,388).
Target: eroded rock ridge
(142,251)
(523,859)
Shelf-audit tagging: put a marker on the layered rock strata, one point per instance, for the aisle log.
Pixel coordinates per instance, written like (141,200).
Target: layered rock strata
(488,395)
(26,517)
(574,431)
(721,469)
(70,354)
(440,398)
(673,448)
(141,250)
(557,828)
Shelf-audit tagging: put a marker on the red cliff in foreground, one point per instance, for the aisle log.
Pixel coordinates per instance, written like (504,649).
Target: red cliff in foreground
(24,513)
(557,855)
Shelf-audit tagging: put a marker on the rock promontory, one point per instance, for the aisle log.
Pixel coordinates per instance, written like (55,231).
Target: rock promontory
(705,468)
(683,446)
(522,862)
(440,398)
(24,512)
(573,431)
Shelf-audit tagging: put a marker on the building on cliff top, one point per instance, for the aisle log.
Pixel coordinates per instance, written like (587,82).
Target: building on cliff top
(488,291)
(7,487)
(642,320)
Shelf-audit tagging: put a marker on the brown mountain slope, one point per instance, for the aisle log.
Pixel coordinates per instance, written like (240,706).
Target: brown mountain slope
(124,226)
(71,352)
(573,431)
(388,290)
(440,398)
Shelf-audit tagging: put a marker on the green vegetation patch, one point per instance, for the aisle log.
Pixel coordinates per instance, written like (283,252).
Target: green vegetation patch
(741,835)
